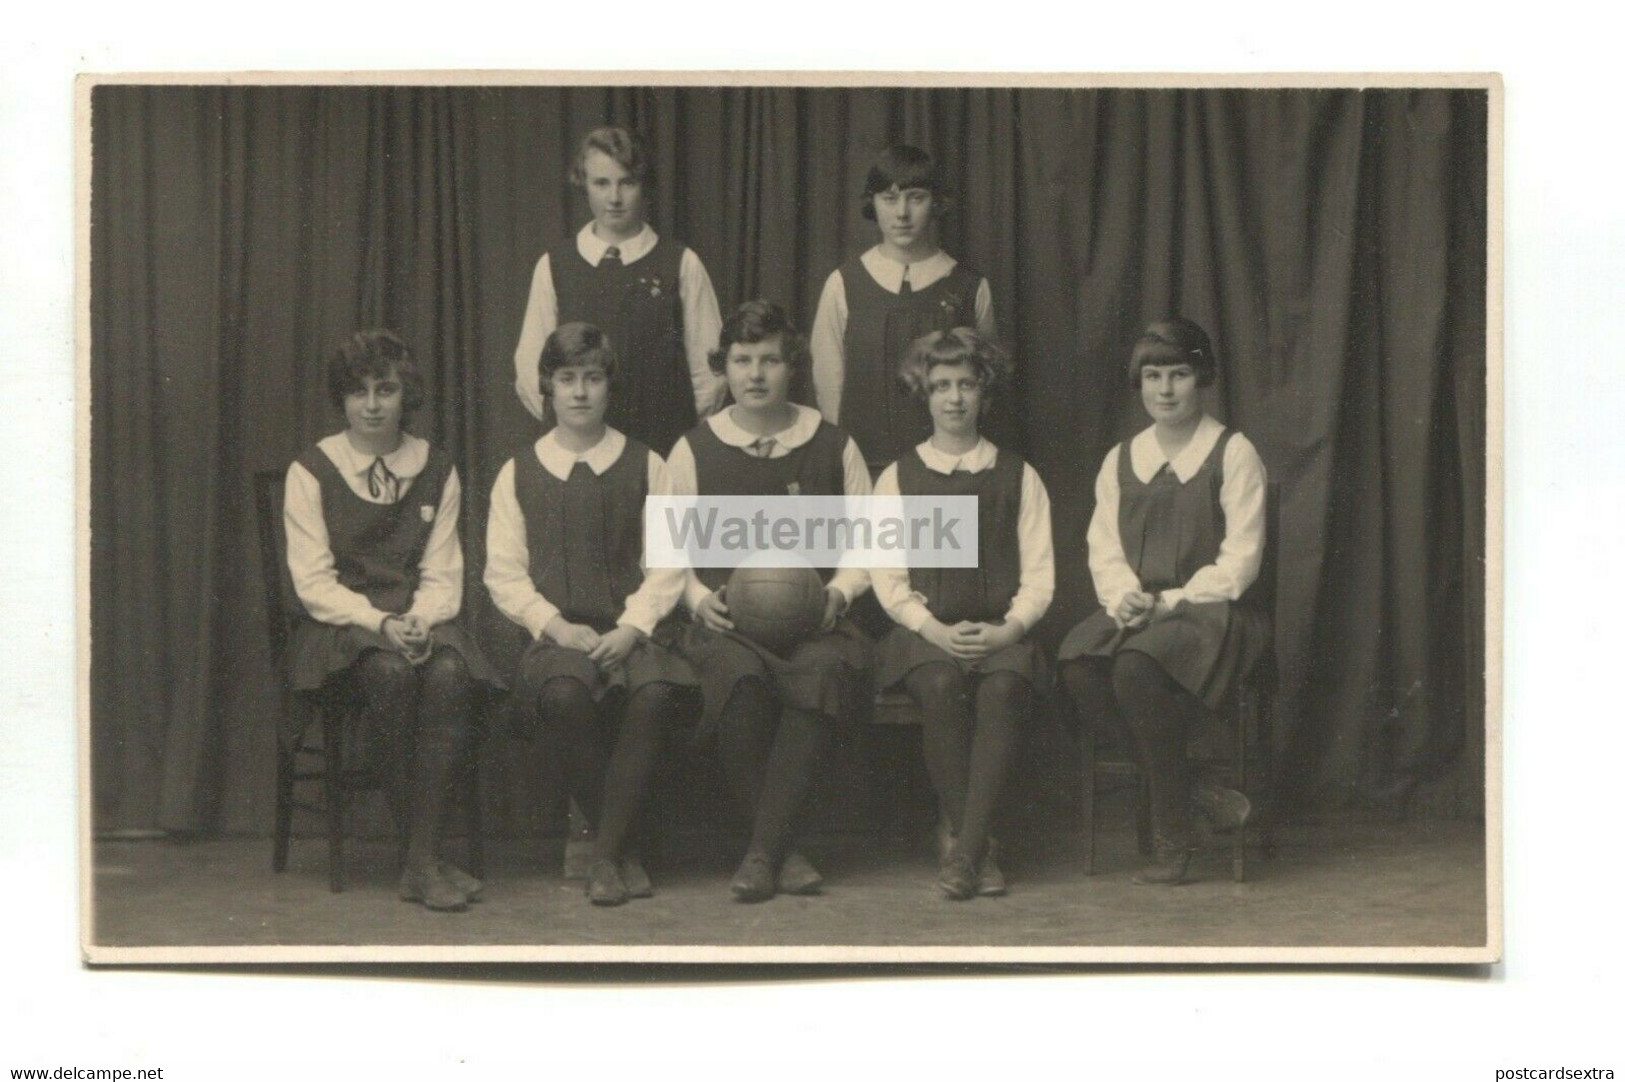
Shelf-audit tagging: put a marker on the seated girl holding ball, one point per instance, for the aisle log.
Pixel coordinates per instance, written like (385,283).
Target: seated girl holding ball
(772,715)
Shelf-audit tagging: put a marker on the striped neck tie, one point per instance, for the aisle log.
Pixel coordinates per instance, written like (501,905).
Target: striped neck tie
(763,447)
(906,288)
(382,484)
(612,257)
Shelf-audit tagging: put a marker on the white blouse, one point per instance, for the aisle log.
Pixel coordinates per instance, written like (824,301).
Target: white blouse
(439,595)
(1032,598)
(1241,497)
(507,548)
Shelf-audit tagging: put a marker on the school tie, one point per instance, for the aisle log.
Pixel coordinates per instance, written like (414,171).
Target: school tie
(382,484)
(612,257)
(906,288)
(763,447)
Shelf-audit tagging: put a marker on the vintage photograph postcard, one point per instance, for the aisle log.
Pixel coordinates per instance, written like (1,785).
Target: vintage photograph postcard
(768,517)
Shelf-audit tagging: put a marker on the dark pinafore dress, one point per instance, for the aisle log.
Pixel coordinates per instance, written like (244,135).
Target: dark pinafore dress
(640,307)
(585,540)
(980,594)
(1169,532)
(883,415)
(376,552)
(825,674)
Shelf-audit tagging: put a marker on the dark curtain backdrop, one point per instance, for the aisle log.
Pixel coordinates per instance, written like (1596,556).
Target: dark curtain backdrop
(1331,241)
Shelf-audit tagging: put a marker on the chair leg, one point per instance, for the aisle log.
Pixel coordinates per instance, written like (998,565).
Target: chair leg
(333,790)
(284,805)
(1086,796)
(1142,817)
(473,815)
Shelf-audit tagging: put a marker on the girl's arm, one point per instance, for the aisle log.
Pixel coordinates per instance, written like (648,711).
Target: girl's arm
(1241,552)
(507,561)
(827,344)
(541,319)
(1037,554)
(903,604)
(310,558)
(439,596)
(985,324)
(853,581)
(1108,565)
(662,586)
(702,327)
(682,479)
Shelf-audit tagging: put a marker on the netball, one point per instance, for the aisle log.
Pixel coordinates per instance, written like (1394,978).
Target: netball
(776,607)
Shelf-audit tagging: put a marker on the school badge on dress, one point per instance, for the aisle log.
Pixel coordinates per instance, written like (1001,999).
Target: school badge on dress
(427,511)
(793,488)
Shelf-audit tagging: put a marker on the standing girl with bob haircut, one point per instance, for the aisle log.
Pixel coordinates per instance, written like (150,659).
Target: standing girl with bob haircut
(774,717)
(650,295)
(961,647)
(1175,543)
(873,306)
(371,519)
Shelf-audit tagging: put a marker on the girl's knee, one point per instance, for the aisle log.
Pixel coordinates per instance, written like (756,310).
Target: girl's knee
(563,696)
(1005,689)
(446,670)
(937,684)
(385,673)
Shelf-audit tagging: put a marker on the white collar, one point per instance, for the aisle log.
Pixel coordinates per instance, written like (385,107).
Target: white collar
(889,273)
(592,247)
(1147,458)
(977,459)
(405,461)
(559,460)
(798,432)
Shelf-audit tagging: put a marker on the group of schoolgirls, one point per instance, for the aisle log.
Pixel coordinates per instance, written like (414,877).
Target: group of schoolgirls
(624,353)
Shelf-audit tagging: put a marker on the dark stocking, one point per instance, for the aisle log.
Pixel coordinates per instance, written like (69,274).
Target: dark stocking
(1003,700)
(798,747)
(943,695)
(444,704)
(389,688)
(567,716)
(626,782)
(746,735)
(1160,713)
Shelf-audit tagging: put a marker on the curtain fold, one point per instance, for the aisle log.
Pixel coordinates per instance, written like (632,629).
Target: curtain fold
(1332,242)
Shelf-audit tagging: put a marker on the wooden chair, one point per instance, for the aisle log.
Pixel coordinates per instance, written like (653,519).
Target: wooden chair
(326,712)
(1248,726)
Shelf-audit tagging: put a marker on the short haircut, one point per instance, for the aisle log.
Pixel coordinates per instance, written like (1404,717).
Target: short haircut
(374,353)
(904,167)
(757,321)
(576,344)
(958,346)
(1175,340)
(621,144)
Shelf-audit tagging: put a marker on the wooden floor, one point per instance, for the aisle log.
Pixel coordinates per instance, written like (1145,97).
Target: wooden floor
(1420,884)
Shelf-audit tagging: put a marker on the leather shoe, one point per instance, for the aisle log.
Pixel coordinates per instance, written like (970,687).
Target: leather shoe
(636,878)
(754,881)
(472,888)
(429,888)
(798,876)
(991,884)
(1167,867)
(604,884)
(957,877)
(1225,810)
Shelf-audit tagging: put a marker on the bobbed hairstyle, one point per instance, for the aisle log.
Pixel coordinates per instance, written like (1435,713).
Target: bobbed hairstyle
(757,321)
(622,144)
(575,344)
(374,353)
(961,345)
(1175,340)
(904,167)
